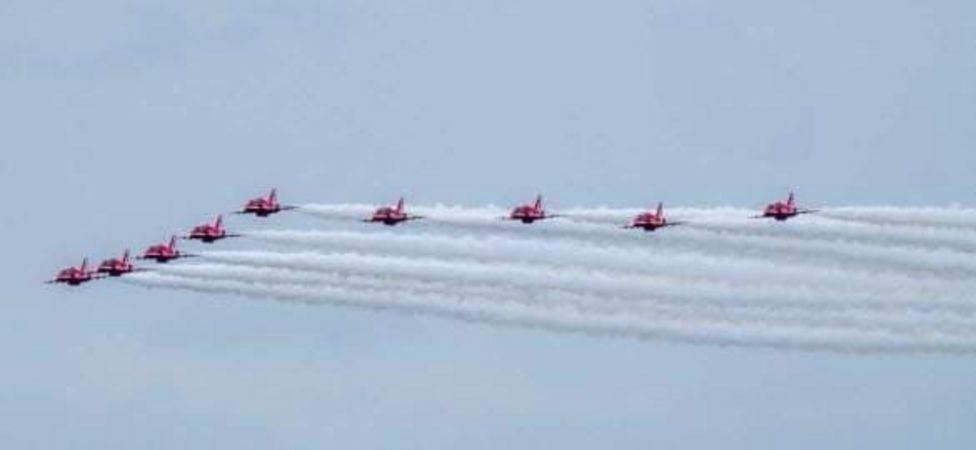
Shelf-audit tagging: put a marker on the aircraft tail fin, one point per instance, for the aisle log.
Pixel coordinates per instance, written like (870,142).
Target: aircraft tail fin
(538,201)
(125,257)
(84,264)
(172,242)
(399,205)
(273,195)
(789,200)
(219,222)
(660,209)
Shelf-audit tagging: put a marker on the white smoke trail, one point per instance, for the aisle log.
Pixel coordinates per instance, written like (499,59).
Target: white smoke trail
(951,217)
(590,281)
(815,226)
(831,230)
(568,253)
(948,217)
(621,216)
(836,316)
(863,279)
(940,262)
(676,328)
(435,213)
(937,262)
(353,211)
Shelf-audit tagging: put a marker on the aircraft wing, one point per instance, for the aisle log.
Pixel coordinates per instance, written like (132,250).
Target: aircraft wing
(280,209)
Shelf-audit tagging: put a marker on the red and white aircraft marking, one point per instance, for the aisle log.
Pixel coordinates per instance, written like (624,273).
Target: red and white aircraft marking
(651,220)
(116,267)
(782,210)
(264,206)
(74,276)
(530,212)
(210,232)
(162,253)
(391,215)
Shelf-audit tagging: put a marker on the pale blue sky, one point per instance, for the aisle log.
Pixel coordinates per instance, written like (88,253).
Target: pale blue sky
(125,121)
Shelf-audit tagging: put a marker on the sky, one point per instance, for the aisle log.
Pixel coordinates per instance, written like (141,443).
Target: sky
(128,121)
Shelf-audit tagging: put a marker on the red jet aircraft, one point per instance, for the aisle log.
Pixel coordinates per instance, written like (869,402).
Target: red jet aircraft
(529,213)
(116,267)
(264,206)
(781,211)
(164,252)
(391,215)
(73,276)
(210,232)
(651,220)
